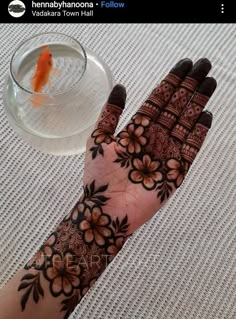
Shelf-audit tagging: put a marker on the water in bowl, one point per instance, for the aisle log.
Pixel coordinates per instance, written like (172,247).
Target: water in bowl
(70,103)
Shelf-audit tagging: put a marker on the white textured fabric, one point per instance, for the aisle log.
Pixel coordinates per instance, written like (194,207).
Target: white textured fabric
(182,264)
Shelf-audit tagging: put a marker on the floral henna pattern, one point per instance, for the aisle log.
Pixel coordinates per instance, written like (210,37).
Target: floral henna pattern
(40,258)
(95,226)
(161,162)
(101,136)
(77,253)
(176,171)
(140,119)
(146,171)
(63,274)
(156,164)
(133,138)
(162,139)
(116,246)
(105,129)
(152,156)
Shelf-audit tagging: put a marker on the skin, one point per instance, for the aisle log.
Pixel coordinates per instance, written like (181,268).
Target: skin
(127,179)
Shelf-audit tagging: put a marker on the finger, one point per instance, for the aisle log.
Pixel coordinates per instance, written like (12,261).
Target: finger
(163,92)
(111,112)
(193,110)
(183,94)
(196,138)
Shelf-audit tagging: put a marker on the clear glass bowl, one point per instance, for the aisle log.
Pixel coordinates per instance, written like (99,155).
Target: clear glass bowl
(69,104)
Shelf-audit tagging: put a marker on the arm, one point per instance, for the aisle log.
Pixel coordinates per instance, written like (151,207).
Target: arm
(127,179)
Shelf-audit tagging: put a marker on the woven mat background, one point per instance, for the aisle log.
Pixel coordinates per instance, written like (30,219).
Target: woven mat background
(182,264)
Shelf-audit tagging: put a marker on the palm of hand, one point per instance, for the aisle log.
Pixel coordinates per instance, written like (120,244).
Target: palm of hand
(148,160)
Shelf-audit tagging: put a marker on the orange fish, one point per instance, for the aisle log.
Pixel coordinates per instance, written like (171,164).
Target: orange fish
(43,70)
(42,74)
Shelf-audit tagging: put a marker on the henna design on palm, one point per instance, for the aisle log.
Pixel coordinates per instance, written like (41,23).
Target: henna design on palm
(161,140)
(107,122)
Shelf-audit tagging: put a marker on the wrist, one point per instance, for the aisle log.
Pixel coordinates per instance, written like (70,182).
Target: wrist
(76,253)
(97,219)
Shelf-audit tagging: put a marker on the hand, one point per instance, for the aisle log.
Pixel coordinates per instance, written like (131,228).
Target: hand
(127,178)
(148,160)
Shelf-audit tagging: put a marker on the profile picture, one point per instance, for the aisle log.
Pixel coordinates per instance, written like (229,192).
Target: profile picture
(16,8)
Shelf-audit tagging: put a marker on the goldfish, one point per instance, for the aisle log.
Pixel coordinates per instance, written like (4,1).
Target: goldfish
(42,74)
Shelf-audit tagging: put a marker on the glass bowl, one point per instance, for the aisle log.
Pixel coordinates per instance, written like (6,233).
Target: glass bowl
(59,119)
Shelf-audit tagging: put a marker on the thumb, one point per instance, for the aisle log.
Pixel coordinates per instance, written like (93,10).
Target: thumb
(110,114)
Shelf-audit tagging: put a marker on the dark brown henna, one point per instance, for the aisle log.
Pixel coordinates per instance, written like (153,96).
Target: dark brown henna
(133,138)
(105,128)
(192,112)
(146,171)
(153,158)
(159,97)
(163,92)
(180,99)
(196,138)
(156,156)
(108,120)
(77,253)
(30,283)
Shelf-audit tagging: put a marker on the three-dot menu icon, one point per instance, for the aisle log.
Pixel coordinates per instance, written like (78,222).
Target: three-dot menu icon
(222,8)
